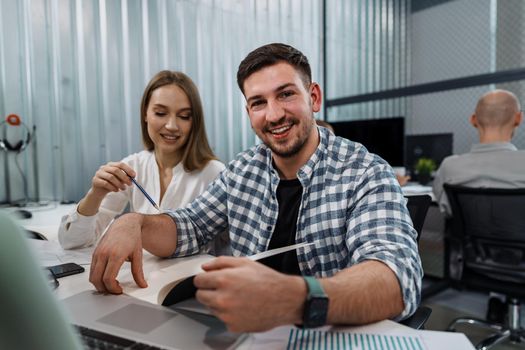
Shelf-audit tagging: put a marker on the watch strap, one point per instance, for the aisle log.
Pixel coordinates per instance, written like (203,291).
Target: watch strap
(314,287)
(316,304)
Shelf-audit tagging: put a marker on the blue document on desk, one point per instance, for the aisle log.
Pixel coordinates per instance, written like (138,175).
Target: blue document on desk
(377,336)
(315,339)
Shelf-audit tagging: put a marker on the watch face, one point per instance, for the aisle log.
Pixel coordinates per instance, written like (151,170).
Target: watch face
(317,310)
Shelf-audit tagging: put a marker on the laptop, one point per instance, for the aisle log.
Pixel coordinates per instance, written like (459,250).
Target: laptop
(32,318)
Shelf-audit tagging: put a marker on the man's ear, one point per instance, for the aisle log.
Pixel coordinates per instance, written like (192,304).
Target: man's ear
(518,119)
(474,121)
(317,97)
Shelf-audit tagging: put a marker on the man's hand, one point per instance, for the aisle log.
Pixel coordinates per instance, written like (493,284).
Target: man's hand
(402,179)
(122,241)
(249,296)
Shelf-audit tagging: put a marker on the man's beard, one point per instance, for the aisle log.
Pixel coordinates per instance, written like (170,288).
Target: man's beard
(287,151)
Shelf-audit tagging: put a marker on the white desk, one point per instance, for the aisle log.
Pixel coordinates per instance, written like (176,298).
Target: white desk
(415,189)
(45,219)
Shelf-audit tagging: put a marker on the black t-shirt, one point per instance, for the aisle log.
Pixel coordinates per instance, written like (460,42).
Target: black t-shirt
(289,193)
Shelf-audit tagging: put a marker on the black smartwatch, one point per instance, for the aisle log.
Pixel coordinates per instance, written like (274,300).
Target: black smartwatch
(316,304)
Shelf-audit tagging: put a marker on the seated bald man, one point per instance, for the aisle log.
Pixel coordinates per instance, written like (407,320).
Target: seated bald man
(494,161)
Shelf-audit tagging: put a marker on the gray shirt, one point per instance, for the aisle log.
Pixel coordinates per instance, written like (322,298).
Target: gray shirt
(490,165)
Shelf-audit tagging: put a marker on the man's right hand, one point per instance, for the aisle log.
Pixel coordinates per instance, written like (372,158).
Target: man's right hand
(122,242)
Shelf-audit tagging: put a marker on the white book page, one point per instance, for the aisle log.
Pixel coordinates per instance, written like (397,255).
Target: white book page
(166,277)
(161,281)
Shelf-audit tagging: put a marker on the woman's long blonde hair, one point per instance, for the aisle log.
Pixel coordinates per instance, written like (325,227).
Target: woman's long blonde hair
(197,152)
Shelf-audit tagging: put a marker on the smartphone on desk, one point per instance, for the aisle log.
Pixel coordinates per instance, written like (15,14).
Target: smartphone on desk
(66,269)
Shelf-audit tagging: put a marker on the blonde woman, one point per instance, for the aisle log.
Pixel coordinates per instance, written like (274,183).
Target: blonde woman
(176,166)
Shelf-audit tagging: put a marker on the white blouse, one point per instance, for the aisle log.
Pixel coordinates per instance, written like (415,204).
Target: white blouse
(77,230)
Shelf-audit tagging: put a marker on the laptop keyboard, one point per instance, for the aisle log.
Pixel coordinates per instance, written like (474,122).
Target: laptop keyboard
(93,339)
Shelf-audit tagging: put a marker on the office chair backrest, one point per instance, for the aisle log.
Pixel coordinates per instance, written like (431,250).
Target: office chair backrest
(488,232)
(418,208)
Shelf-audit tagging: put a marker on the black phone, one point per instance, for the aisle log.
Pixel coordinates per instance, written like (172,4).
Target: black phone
(66,269)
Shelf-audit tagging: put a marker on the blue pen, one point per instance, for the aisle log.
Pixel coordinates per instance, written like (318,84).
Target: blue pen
(145,193)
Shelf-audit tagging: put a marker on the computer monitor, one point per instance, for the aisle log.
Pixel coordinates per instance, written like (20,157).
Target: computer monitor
(434,146)
(384,137)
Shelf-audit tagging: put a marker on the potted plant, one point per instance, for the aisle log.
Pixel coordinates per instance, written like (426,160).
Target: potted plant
(424,168)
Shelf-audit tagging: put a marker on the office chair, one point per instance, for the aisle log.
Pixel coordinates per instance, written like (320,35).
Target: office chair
(418,207)
(487,252)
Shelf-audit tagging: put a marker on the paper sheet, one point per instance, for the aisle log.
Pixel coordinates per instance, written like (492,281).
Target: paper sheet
(49,253)
(276,251)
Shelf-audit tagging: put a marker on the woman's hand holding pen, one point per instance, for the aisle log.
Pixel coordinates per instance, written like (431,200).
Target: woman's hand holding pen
(111,177)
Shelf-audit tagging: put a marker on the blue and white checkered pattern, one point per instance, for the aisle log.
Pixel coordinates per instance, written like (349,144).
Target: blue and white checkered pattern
(352,208)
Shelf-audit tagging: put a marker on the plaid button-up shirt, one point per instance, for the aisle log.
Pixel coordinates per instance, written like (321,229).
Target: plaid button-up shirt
(352,208)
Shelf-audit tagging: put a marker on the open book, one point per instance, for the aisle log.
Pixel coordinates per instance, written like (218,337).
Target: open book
(174,283)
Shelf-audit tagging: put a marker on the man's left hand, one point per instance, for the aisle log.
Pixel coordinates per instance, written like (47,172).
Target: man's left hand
(249,296)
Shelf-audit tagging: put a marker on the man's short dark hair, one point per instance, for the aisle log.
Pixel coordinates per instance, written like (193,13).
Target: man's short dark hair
(269,55)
